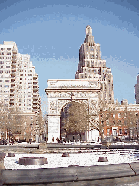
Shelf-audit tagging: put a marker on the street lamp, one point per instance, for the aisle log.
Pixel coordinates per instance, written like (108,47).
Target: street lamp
(137,125)
(30,133)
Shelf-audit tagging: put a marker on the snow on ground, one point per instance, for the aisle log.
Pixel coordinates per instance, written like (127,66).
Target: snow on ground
(81,159)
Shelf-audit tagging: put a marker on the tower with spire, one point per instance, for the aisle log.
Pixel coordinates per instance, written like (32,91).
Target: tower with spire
(92,67)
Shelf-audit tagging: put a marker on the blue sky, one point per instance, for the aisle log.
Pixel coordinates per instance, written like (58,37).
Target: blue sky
(52,31)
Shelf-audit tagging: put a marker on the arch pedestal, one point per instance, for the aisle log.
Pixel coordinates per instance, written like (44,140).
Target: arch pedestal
(61,92)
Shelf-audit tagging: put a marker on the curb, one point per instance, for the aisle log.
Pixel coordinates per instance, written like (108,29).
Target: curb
(69,174)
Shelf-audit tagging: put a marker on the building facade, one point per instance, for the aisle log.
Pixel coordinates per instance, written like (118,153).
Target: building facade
(18,81)
(122,122)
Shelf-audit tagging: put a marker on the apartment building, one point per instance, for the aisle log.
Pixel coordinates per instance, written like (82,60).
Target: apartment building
(18,81)
(122,121)
(93,68)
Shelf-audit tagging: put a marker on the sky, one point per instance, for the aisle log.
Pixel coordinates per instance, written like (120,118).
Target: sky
(52,31)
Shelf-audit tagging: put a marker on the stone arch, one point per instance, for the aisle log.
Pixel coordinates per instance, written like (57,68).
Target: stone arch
(59,94)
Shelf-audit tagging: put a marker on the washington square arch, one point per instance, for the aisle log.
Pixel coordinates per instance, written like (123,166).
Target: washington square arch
(93,81)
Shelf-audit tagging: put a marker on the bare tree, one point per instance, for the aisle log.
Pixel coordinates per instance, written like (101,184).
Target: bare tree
(129,120)
(46,125)
(104,117)
(16,122)
(11,122)
(76,118)
(41,123)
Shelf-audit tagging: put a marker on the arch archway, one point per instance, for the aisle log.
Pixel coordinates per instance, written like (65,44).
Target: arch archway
(60,93)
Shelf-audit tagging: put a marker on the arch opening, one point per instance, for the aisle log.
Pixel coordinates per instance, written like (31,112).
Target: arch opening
(74,121)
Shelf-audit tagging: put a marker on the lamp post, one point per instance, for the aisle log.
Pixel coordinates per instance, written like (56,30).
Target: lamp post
(30,133)
(137,125)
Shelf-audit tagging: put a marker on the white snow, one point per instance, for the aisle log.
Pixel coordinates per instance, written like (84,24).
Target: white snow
(81,159)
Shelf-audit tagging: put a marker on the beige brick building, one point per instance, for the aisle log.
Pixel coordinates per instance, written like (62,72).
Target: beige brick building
(92,67)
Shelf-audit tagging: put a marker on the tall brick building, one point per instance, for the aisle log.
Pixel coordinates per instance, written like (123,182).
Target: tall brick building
(92,67)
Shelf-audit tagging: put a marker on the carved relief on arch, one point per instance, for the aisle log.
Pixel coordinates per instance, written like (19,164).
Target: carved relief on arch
(53,107)
(60,105)
(93,107)
(84,101)
(63,103)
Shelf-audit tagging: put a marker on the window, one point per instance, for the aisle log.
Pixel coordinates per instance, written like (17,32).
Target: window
(120,131)
(7,66)
(108,132)
(119,115)
(6,85)
(125,131)
(114,132)
(8,48)
(7,71)
(6,80)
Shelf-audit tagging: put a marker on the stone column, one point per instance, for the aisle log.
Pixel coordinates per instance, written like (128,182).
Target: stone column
(53,128)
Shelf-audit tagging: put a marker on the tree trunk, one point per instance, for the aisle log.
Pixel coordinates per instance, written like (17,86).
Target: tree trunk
(129,133)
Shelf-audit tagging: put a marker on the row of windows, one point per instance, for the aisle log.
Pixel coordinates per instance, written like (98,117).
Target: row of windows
(20,100)
(5,49)
(5,80)
(6,66)
(5,57)
(2,53)
(5,91)
(7,71)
